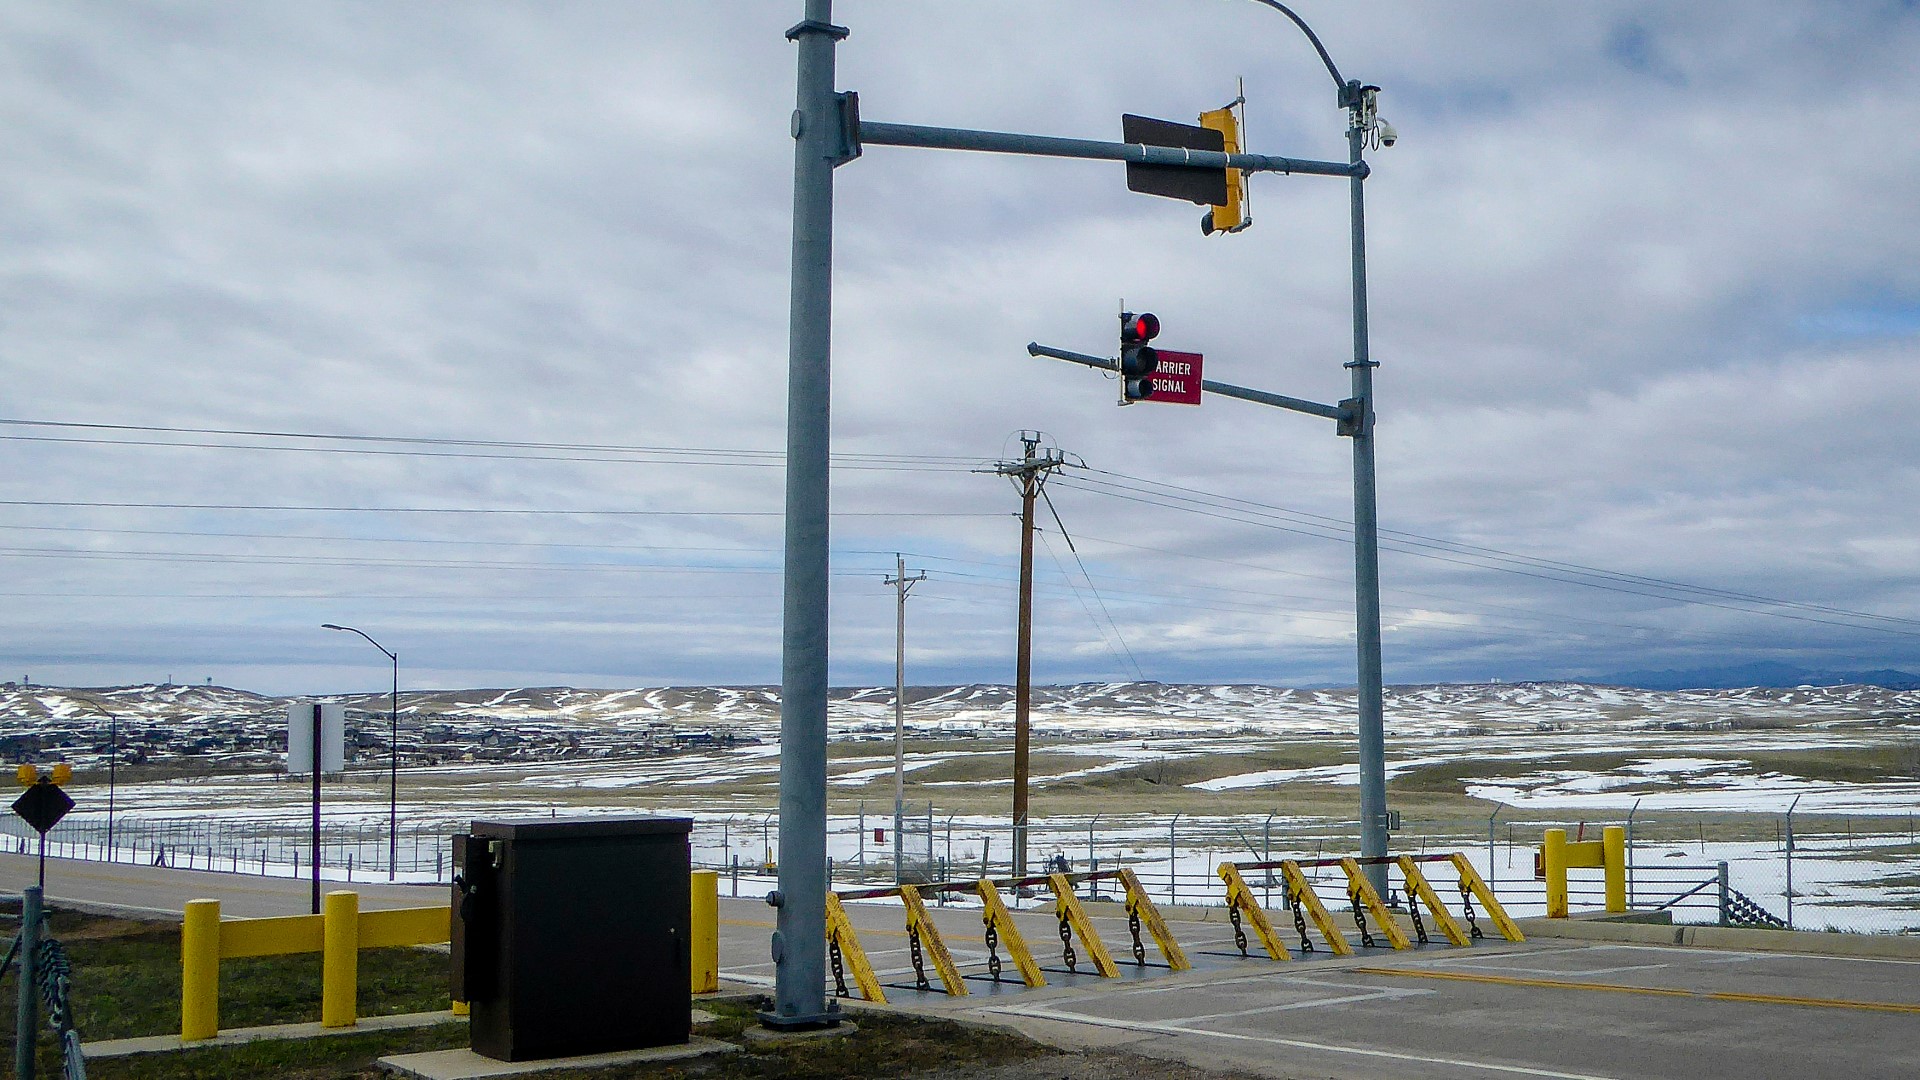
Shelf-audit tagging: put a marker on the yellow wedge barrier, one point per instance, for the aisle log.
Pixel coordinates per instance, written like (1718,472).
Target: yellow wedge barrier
(846,944)
(1074,917)
(922,935)
(338,935)
(1000,927)
(1470,882)
(1419,888)
(1300,891)
(1141,910)
(1361,892)
(1241,906)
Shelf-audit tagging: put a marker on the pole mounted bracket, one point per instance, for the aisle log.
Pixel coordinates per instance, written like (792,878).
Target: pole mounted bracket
(1355,419)
(815,26)
(846,137)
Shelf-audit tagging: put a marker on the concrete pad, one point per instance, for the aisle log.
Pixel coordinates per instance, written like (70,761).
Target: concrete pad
(465,1064)
(767,1036)
(153,1044)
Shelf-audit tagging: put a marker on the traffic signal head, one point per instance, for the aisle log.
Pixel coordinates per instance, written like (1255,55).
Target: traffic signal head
(62,773)
(27,775)
(1231,216)
(1138,360)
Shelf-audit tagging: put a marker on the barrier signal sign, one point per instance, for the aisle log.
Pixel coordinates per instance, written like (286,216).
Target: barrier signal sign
(1176,381)
(43,805)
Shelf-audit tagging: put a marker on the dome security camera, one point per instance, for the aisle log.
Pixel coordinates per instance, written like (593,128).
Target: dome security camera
(1388,135)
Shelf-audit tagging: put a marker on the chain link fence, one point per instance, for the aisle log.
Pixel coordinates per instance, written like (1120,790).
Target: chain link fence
(1829,872)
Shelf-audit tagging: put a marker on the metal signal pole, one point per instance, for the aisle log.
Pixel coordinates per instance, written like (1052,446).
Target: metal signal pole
(902,584)
(1029,475)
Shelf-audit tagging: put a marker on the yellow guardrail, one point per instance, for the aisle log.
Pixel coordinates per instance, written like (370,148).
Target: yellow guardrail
(338,934)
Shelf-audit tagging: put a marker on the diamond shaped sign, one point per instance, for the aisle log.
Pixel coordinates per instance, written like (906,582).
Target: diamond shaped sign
(43,805)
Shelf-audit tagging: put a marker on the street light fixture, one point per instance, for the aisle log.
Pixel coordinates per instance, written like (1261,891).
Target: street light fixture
(393,754)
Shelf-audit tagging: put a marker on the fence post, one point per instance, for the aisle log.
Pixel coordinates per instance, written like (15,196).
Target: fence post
(200,970)
(339,959)
(27,1017)
(1723,892)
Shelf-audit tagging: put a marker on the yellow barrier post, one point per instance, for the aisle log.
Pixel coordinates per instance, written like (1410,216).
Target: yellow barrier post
(1000,920)
(1141,908)
(1553,857)
(1301,890)
(1418,886)
(1613,843)
(842,936)
(920,927)
(1362,894)
(200,970)
(1072,914)
(339,959)
(1470,881)
(1240,899)
(705,928)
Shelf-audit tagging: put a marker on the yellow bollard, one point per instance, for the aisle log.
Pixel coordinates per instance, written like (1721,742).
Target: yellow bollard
(200,970)
(339,959)
(1554,857)
(706,931)
(1613,845)
(461,1008)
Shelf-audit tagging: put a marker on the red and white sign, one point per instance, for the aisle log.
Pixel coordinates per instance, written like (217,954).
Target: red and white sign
(1177,380)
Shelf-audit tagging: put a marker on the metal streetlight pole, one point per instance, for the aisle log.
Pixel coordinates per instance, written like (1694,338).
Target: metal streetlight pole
(393,755)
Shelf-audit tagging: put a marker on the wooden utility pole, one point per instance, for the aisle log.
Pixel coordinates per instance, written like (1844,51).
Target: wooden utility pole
(1029,475)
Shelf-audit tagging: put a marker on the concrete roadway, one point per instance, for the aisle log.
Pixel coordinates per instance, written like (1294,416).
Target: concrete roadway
(1546,1008)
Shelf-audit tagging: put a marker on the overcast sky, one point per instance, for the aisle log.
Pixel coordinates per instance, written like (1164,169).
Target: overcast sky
(1646,302)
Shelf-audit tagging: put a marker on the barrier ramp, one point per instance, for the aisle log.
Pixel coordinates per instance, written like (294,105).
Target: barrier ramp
(1418,888)
(923,941)
(1306,904)
(1365,900)
(1242,908)
(1140,910)
(1471,887)
(1073,920)
(844,951)
(1000,929)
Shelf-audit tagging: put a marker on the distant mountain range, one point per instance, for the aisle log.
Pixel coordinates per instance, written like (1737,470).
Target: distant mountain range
(1759,673)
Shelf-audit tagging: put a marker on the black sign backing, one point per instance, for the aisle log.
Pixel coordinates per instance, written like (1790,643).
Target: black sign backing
(1202,186)
(43,805)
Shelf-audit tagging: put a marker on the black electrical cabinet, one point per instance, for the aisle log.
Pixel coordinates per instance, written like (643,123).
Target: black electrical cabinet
(570,935)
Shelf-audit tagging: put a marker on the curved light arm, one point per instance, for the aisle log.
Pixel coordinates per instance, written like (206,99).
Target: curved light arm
(362,633)
(1311,36)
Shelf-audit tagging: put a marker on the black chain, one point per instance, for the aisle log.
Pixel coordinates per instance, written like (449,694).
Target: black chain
(1360,918)
(1239,935)
(55,975)
(1466,905)
(1133,927)
(1413,909)
(839,971)
(919,965)
(993,948)
(1066,942)
(1297,905)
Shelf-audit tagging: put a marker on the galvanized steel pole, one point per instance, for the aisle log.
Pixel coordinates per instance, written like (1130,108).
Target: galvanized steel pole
(1366,542)
(799,940)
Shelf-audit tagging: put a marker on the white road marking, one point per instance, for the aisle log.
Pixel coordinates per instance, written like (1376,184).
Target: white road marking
(1297,1044)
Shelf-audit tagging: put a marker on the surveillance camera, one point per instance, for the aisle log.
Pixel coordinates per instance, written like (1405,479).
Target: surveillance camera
(1388,136)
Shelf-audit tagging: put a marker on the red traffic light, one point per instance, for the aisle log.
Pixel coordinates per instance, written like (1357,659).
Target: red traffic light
(1137,328)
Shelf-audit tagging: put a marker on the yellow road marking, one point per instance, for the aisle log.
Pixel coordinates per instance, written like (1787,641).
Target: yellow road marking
(1659,991)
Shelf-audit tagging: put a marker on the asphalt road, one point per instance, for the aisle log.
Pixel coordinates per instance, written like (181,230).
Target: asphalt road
(1544,1008)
